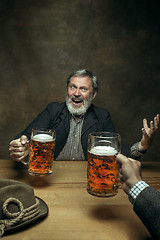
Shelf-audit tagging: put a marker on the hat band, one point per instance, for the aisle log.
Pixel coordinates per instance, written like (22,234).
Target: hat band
(21,216)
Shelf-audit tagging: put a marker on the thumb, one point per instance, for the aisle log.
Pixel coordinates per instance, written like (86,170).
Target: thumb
(23,139)
(121,158)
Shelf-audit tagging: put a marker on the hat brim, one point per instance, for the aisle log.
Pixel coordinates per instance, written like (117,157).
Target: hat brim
(43,213)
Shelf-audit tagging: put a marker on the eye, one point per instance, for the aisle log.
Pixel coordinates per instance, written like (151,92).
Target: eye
(72,87)
(84,89)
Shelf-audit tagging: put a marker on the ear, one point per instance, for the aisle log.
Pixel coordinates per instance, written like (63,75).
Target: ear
(94,94)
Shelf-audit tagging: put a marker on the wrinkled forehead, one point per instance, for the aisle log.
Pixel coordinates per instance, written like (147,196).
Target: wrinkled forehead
(81,81)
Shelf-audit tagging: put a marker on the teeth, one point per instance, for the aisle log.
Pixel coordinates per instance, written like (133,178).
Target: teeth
(77,101)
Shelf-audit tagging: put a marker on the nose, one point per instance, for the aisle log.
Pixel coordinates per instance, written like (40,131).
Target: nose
(77,92)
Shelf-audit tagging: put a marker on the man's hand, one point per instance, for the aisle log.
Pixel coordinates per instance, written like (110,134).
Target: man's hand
(129,173)
(19,148)
(148,133)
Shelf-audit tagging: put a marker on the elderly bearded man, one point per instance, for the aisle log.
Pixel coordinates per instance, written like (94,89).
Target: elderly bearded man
(74,119)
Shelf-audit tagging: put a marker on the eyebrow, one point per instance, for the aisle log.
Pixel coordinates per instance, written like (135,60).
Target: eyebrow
(83,86)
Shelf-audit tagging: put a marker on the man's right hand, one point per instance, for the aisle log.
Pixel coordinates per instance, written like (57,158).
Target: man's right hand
(129,173)
(19,148)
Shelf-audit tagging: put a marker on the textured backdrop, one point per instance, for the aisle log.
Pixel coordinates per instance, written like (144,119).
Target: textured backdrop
(43,41)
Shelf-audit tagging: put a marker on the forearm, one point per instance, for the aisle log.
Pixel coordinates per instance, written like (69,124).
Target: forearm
(147,208)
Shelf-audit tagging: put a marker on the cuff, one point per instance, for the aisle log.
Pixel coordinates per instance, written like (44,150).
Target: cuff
(135,150)
(136,190)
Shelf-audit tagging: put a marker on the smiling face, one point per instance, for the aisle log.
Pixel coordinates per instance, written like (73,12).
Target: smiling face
(79,94)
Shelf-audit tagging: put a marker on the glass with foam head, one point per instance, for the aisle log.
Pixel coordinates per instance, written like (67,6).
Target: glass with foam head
(102,171)
(42,147)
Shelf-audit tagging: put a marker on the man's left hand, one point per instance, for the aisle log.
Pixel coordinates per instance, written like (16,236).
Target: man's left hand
(148,133)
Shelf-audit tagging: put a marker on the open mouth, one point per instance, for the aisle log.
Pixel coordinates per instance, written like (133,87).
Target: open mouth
(77,102)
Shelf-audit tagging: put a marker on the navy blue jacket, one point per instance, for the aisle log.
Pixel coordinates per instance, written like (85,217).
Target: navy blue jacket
(57,117)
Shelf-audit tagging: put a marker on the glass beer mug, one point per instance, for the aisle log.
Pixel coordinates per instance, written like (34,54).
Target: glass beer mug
(42,147)
(102,172)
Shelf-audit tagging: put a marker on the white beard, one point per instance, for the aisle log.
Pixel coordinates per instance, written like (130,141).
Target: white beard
(78,111)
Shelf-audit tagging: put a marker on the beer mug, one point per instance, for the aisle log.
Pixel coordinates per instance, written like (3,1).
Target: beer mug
(102,172)
(42,147)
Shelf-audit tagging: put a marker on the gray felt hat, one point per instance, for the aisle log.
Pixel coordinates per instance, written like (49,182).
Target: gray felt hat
(19,207)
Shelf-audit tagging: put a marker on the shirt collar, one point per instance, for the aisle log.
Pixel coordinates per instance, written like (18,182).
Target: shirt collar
(80,118)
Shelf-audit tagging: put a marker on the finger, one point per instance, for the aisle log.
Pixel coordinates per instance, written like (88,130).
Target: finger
(26,153)
(144,132)
(145,124)
(17,156)
(121,158)
(15,143)
(120,178)
(18,159)
(151,125)
(23,139)
(17,149)
(156,122)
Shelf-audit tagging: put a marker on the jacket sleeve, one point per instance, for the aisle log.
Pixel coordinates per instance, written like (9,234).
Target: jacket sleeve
(147,208)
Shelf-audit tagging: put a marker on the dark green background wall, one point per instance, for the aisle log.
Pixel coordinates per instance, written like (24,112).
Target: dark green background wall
(42,41)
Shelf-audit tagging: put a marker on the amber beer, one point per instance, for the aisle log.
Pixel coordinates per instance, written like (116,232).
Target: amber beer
(102,171)
(41,156)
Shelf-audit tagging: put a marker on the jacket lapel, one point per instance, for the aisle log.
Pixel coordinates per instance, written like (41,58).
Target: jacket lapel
(89,121)
(65,119)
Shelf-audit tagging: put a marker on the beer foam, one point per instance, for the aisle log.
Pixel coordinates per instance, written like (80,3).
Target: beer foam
(43,138)
(103,151)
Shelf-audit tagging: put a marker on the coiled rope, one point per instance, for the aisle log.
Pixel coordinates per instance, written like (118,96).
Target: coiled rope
(21,216)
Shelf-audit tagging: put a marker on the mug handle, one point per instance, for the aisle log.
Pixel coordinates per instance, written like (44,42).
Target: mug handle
(25,161)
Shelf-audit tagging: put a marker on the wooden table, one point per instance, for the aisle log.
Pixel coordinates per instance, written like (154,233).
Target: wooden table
(73,213)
